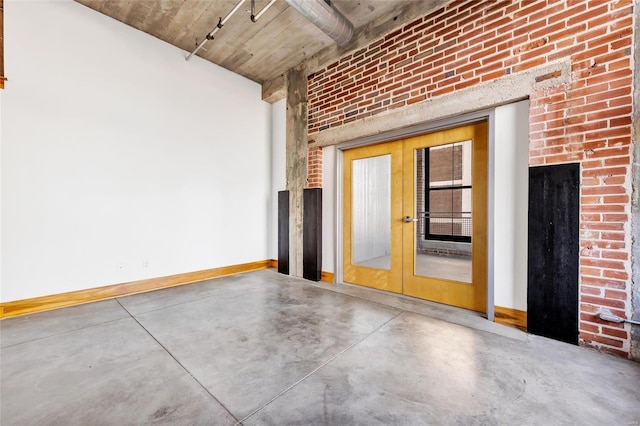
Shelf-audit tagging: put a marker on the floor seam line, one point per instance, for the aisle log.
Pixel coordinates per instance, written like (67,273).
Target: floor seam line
(64,332)
(168,306)
(181,365)
(317,369)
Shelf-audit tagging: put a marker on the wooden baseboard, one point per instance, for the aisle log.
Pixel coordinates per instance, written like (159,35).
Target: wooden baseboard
(511,317)
(55,301)
(326,277)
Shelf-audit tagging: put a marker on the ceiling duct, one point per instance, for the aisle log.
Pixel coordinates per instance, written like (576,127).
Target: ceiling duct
(329,20)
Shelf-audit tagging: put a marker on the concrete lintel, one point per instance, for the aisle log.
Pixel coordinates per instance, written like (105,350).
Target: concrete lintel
(296,162)
(635,192)
(274,90)
(504,90)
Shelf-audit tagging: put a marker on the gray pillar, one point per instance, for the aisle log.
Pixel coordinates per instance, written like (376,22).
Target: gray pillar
(297,151)
(635,196)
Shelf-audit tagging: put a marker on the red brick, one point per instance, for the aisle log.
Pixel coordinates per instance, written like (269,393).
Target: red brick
(620,102)
(416,99)
(590,14)
(602,190)
(614,236)
(611,76)
(594,291)
(619,4)
(615,294)
(590,271)
(616,217)
(602,263)
(600,339)
(610,37)
(622,334)
(603,282)
(609,113)
(591,328)
(609,152)
(568,52)
(609,171)
(620,275)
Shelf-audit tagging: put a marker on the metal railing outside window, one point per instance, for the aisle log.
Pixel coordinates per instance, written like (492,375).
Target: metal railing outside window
(446,226)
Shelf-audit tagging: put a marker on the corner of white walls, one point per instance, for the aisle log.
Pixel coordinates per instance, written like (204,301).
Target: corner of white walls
(278,169)
(328,208)
(511,205)
(1,190)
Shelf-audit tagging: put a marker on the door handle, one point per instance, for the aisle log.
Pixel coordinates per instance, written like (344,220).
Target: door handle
(408,219)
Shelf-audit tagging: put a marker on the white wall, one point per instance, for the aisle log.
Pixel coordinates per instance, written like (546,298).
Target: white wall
(1,91)
(116,152)
(278,169)
(511,205)
(328,208)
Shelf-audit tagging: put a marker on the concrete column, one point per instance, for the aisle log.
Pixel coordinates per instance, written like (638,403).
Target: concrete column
(297,152)
(635,184)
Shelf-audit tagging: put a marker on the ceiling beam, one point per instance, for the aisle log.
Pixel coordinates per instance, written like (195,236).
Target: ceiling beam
(274,90)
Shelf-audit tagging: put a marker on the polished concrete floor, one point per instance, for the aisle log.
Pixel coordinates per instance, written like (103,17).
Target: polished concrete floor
(429,265)
(265,349)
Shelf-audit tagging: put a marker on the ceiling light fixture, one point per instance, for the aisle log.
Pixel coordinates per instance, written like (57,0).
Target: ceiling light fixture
(217,28)
(255,16)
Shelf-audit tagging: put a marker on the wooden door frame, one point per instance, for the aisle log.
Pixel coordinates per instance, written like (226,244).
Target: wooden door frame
(470,295)
(430,127)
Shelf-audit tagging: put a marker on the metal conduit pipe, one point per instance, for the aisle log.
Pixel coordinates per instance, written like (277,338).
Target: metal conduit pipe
(606,315)
(216,29)
(255,16)
(329,20)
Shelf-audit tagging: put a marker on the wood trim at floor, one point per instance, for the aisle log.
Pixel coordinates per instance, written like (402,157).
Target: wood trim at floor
(511,317)
(326,277)
(62,300)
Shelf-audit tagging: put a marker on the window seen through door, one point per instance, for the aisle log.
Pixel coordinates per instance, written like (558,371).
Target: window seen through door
(447,189)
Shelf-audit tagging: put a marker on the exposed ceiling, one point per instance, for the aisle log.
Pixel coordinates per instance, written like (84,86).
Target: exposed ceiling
(281,39)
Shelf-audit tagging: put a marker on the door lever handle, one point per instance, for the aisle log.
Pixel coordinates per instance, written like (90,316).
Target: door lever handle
(408,219)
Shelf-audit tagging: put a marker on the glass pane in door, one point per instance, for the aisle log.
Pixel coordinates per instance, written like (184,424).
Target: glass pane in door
(371,212)
(444,212)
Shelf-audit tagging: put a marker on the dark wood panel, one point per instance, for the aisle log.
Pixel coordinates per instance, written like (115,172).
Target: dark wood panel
(283,232)
(312,234)
(554,215)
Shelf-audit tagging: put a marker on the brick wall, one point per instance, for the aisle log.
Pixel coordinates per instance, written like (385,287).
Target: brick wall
(470,42)
(314,167)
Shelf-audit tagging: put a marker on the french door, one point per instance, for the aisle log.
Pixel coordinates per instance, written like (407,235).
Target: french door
(415,216)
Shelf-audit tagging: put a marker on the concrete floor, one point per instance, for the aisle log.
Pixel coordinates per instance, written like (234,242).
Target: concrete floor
(264,349)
